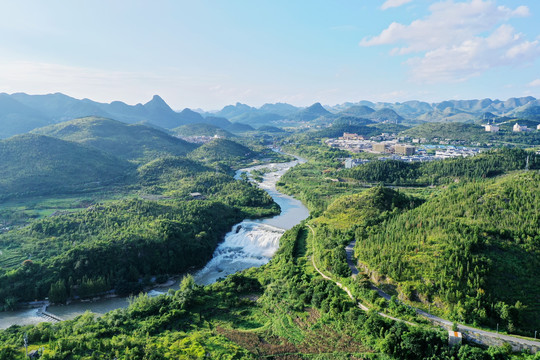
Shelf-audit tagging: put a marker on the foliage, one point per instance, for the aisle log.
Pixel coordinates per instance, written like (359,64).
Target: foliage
(470,133)
(474,248)
(41,165)
(484,165)
(199,129)
(134,142)
(222,150)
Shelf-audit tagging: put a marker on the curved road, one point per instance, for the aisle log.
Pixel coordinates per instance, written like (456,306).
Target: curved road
(474,334)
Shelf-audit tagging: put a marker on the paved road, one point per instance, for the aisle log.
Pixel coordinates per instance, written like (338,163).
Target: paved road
(446,323)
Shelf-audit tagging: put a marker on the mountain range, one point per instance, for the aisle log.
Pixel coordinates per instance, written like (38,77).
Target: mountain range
(21,113)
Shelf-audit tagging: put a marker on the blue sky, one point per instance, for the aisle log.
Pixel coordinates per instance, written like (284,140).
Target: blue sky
(207,54)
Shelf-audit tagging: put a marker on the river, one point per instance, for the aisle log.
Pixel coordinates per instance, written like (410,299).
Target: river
(248,244)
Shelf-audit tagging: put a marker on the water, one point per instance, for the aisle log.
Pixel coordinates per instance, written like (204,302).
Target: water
(254,242)
(248,244)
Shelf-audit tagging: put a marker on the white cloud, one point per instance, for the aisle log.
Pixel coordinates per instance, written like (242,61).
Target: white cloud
(458,40)
(393,3)
(534,83)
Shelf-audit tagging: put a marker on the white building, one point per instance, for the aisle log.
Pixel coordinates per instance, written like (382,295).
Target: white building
(491,128)
(519,128)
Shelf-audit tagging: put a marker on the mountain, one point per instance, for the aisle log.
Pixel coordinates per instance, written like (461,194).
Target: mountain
(455,250)
(239,127)
(257,118)
(37,165)
(201,130)
(21,112)
(221,150)
(128,142)
(189,116)
(386,115)
(279,109)
(231,111)
(169,169)
(358,110)
(17,118)
(454,131)
(311,113)
(216,121)
(31,111)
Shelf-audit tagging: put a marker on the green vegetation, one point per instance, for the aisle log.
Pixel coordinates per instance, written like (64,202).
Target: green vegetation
(489,164)
(127,240)
(472,250)
(468,248)
(282,310)
(223,151)
(199,129)
(37,164)
(460,252)
(138,143)
(474,133)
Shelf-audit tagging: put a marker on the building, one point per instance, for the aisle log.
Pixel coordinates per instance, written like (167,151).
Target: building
(351,136)
(350,163)
(454,338)
(519,128)
(538,127)
(491,128)
(380,147)
(407,150)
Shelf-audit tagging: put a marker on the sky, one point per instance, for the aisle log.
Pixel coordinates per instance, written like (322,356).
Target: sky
(208,54)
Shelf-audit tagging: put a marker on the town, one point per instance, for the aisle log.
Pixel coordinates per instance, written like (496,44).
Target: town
(392,147)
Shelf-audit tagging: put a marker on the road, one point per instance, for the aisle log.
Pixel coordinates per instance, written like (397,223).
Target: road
(433,318)
(474,333)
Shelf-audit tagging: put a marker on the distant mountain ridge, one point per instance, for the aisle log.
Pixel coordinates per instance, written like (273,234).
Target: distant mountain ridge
(21,113)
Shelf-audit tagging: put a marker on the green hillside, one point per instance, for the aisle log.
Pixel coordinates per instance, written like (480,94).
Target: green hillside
(200,129)
(36,165)
(489,164)
(168,169)
(476,133)
(453,130)
(222,150)
(472,251)
(130,142)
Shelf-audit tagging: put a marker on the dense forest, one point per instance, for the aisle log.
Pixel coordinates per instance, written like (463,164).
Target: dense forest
(114,246)
(470,133)
(472,250)
(485,165)
(40,165)
(282,310)
(468,246)
(136,142)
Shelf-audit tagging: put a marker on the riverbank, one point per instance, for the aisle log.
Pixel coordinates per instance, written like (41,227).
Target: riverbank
(258,242)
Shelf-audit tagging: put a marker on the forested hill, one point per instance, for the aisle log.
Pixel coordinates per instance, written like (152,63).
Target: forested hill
(37,164)
(472,250)
(129,142)
(222,150)
(200,129)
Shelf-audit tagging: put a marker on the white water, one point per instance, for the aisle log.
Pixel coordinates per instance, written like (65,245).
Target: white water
(250,243)
(253,242)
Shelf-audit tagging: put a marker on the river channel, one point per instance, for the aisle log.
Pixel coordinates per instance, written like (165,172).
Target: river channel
(250,243)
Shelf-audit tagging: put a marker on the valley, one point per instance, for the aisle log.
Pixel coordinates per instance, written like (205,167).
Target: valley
(261,243)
